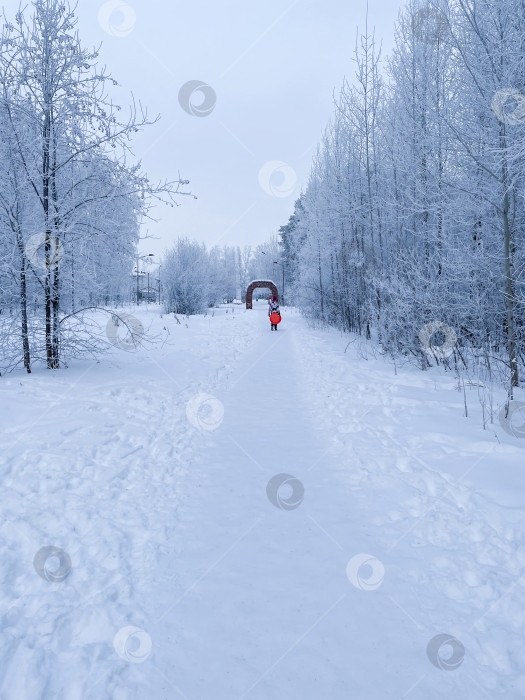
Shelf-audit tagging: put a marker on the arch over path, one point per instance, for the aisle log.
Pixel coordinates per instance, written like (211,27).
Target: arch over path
(255,285)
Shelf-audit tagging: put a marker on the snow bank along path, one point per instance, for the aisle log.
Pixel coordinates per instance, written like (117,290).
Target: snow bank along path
(245,514)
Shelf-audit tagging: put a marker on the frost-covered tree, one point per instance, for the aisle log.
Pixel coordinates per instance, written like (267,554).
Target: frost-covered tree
(265,263)
(244,256)
(290,242)
(413,211)
(73,204)
(185,278)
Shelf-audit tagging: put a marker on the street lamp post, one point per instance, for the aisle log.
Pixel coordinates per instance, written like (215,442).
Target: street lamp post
(263,253)
(138,291)
(141,257)
(275,262)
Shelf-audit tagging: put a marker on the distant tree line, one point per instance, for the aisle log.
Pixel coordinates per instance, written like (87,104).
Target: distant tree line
(195,278)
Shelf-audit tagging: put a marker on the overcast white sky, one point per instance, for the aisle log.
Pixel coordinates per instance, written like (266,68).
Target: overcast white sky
(273,66)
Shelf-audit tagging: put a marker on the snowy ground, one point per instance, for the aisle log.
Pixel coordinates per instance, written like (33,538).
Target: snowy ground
(184,571)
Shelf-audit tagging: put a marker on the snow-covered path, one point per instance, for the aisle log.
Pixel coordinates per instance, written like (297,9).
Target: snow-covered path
(155,474)
(249,587)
